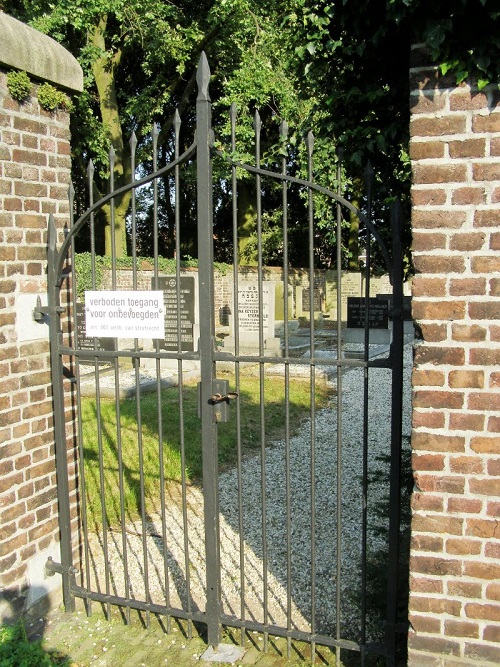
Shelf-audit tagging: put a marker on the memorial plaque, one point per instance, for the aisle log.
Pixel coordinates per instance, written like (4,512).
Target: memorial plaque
(85,342)
(377,313)
(179,302)
(249,317)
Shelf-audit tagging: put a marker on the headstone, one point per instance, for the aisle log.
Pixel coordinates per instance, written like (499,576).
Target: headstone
(254,314)
(378,331)
(87,343)
(179,306)
(377,313)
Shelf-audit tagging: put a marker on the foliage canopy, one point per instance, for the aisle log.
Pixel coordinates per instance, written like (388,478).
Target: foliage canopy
(336,67)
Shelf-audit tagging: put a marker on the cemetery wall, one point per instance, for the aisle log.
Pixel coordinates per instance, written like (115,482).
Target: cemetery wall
(34,175)
(455,556)
(324,290)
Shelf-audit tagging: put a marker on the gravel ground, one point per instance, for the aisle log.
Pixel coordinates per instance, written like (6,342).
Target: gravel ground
(268,586)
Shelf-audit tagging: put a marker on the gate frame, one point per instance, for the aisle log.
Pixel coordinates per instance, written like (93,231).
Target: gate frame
(208,356)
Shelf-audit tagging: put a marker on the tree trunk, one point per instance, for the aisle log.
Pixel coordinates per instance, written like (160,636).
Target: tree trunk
(353,242)
(103,69)
(247,223)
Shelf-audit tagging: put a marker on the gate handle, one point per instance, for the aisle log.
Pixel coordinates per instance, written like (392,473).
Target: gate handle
(218,398)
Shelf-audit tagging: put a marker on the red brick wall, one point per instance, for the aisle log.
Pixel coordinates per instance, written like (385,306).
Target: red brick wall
(455,558)
(34,178)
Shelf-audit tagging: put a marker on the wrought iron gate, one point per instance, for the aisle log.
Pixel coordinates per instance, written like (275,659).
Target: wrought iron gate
(269,556)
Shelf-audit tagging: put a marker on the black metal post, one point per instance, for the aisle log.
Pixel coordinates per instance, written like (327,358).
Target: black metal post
(56,367)
(207,344)
(396,435)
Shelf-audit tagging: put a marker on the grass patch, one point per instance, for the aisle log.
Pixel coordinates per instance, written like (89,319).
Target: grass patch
(16,650)
(118,448)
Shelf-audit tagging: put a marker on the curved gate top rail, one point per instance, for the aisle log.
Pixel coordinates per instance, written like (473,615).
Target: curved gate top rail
(105,525)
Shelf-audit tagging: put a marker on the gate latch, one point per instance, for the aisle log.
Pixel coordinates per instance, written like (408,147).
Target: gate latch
(219,400)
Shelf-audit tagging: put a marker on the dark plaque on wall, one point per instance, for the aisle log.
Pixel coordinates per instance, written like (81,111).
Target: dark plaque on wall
(87,343)
(377,313)
(179,306)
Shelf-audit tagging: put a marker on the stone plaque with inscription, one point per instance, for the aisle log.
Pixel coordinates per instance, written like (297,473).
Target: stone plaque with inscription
(377,313)
(180,307)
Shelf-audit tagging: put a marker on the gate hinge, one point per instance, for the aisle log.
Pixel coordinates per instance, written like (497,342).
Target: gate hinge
(51,568)
(40,312)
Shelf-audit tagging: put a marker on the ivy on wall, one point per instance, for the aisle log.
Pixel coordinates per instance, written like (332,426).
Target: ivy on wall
(92,280)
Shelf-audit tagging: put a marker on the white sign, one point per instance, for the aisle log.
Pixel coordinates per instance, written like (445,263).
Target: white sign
(124,314)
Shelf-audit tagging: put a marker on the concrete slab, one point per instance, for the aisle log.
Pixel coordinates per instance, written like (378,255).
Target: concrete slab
(228,653)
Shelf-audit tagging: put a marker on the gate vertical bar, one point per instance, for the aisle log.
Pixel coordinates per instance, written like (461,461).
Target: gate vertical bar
(56,367)
(206,348)
(396,434)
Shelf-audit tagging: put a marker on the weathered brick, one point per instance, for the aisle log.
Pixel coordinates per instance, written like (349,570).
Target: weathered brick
(484,310)
(484,357)
(467,196)
(494,287)
(430,419)
(491,633)
(441,264)
(425,624)
(486,487)
(438,219)
(481,570)
(424,150)
(435,605)
(22,156)
(420,584)
(429,354)
(487,217)
(434,174)
(439,310)
(439,483)
(485,171)
(493,424)
(467,241)
(470,465)
(454,628)
(441,525)
(493,591)
(466,422)
(484,401)
(487,612)
(432,332)
(428,196)
(467,148)
(438,399)
(468,333)
(428,462)
(426,502)
(493,507)
(464,505)
(487,123)
(466,379)
(426,542)
(468,287)
(465,589)
(439,126)
(463,100)
(436,645)
(425,377)
(425,241)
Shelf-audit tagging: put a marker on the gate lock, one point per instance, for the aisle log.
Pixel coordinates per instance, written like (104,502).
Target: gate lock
(221,396)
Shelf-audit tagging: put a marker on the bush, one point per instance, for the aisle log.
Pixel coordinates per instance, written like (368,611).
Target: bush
(19,85)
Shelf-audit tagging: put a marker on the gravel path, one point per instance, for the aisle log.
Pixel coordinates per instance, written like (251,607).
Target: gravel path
(271,585)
